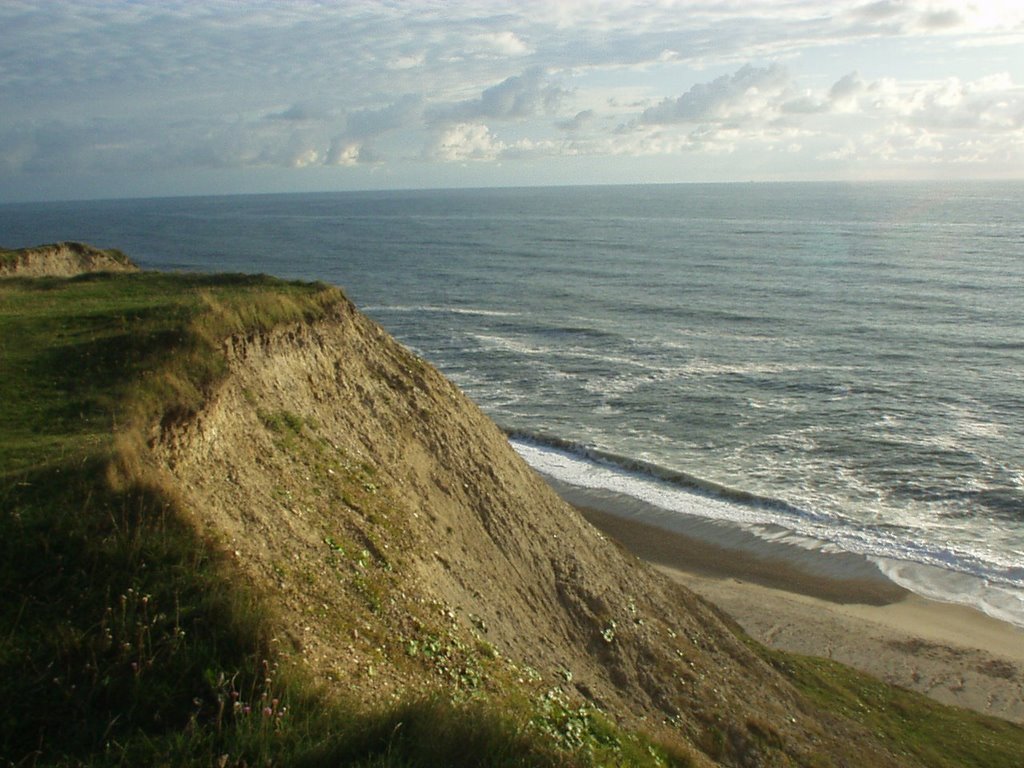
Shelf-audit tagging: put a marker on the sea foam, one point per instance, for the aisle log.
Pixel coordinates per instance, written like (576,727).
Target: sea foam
(935,573)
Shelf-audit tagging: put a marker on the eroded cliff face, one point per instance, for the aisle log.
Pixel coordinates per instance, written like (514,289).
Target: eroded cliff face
(410,548)
(62,260)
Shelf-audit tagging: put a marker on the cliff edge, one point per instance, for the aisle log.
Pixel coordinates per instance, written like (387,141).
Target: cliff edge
(65,259)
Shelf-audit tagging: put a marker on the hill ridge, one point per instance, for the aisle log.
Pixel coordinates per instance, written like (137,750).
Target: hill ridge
(63,259)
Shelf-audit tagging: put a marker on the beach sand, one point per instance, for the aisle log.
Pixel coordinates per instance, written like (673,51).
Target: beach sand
(953,653)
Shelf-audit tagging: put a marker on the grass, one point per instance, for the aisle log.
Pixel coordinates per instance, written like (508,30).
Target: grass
(124,637)
(914,727)
(87,356)
(122,623)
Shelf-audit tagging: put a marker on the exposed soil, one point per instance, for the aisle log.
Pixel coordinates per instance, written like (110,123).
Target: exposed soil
(62,260)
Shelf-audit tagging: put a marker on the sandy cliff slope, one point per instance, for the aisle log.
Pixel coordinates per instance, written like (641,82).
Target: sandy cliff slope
(62,260)
(409,547)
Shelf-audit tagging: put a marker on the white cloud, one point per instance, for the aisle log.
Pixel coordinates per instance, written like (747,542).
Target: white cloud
(90,87)
(746,91)
(466,141)
(407,112)
(344,154)
(503,43)
(938,20)
(988,105)
(940,123)
(579,121)
(409,61)
(805,104)
(844,93)
(516,97)
(299,113)
(306,158)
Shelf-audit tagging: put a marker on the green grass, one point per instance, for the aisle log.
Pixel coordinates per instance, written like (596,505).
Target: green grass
(124,637)
(918,729)
(82,357)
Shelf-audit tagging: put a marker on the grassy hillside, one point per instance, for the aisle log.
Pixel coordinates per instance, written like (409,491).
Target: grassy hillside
(129,637)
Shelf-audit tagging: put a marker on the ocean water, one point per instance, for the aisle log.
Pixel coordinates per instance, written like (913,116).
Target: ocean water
(839,367)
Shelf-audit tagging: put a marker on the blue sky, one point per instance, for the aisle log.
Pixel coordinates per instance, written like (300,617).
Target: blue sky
(113,99)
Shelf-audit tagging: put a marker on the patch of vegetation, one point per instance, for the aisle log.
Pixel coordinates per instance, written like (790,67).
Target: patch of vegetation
(285,426)
(127,640)
(281,422)
(912,726)
(435,732)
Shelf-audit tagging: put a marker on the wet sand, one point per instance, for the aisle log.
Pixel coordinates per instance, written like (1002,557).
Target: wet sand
(840,608)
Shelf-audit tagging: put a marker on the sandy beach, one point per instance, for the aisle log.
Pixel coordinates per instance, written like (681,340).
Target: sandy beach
(953,653)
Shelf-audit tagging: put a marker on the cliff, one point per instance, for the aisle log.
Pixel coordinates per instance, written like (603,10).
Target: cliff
(386,513)
(65,259)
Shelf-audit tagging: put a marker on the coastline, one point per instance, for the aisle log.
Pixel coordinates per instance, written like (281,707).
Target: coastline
(854,615)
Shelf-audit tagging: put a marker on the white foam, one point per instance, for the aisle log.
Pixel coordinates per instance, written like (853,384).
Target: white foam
(1003,602)
(949,573)
(573,470)
(435,309)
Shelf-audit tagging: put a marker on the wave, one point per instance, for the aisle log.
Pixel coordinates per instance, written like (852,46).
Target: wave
(434,309)
(673,477)
(663,496)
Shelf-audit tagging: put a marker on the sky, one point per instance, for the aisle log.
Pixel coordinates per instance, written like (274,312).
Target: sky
(119,98)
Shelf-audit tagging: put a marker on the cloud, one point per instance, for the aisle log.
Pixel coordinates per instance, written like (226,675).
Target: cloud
(299,113)
(92,87)
(722,98)
(992,104)
(846,87)
(407,112)
(806,104)
(503,43)
(407,61)
(345,153)
(306,158)
(937,20)
(516,97)
(884,9)
(844,93)
(466,141)
(949,122)
(578,121)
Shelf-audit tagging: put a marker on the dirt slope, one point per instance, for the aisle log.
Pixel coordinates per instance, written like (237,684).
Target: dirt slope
(62,260)
(409,547)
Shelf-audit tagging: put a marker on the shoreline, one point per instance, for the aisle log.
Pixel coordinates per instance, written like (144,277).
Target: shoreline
(854,615)
(756,561)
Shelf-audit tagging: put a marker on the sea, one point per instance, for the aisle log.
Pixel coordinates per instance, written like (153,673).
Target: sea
(830,368)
